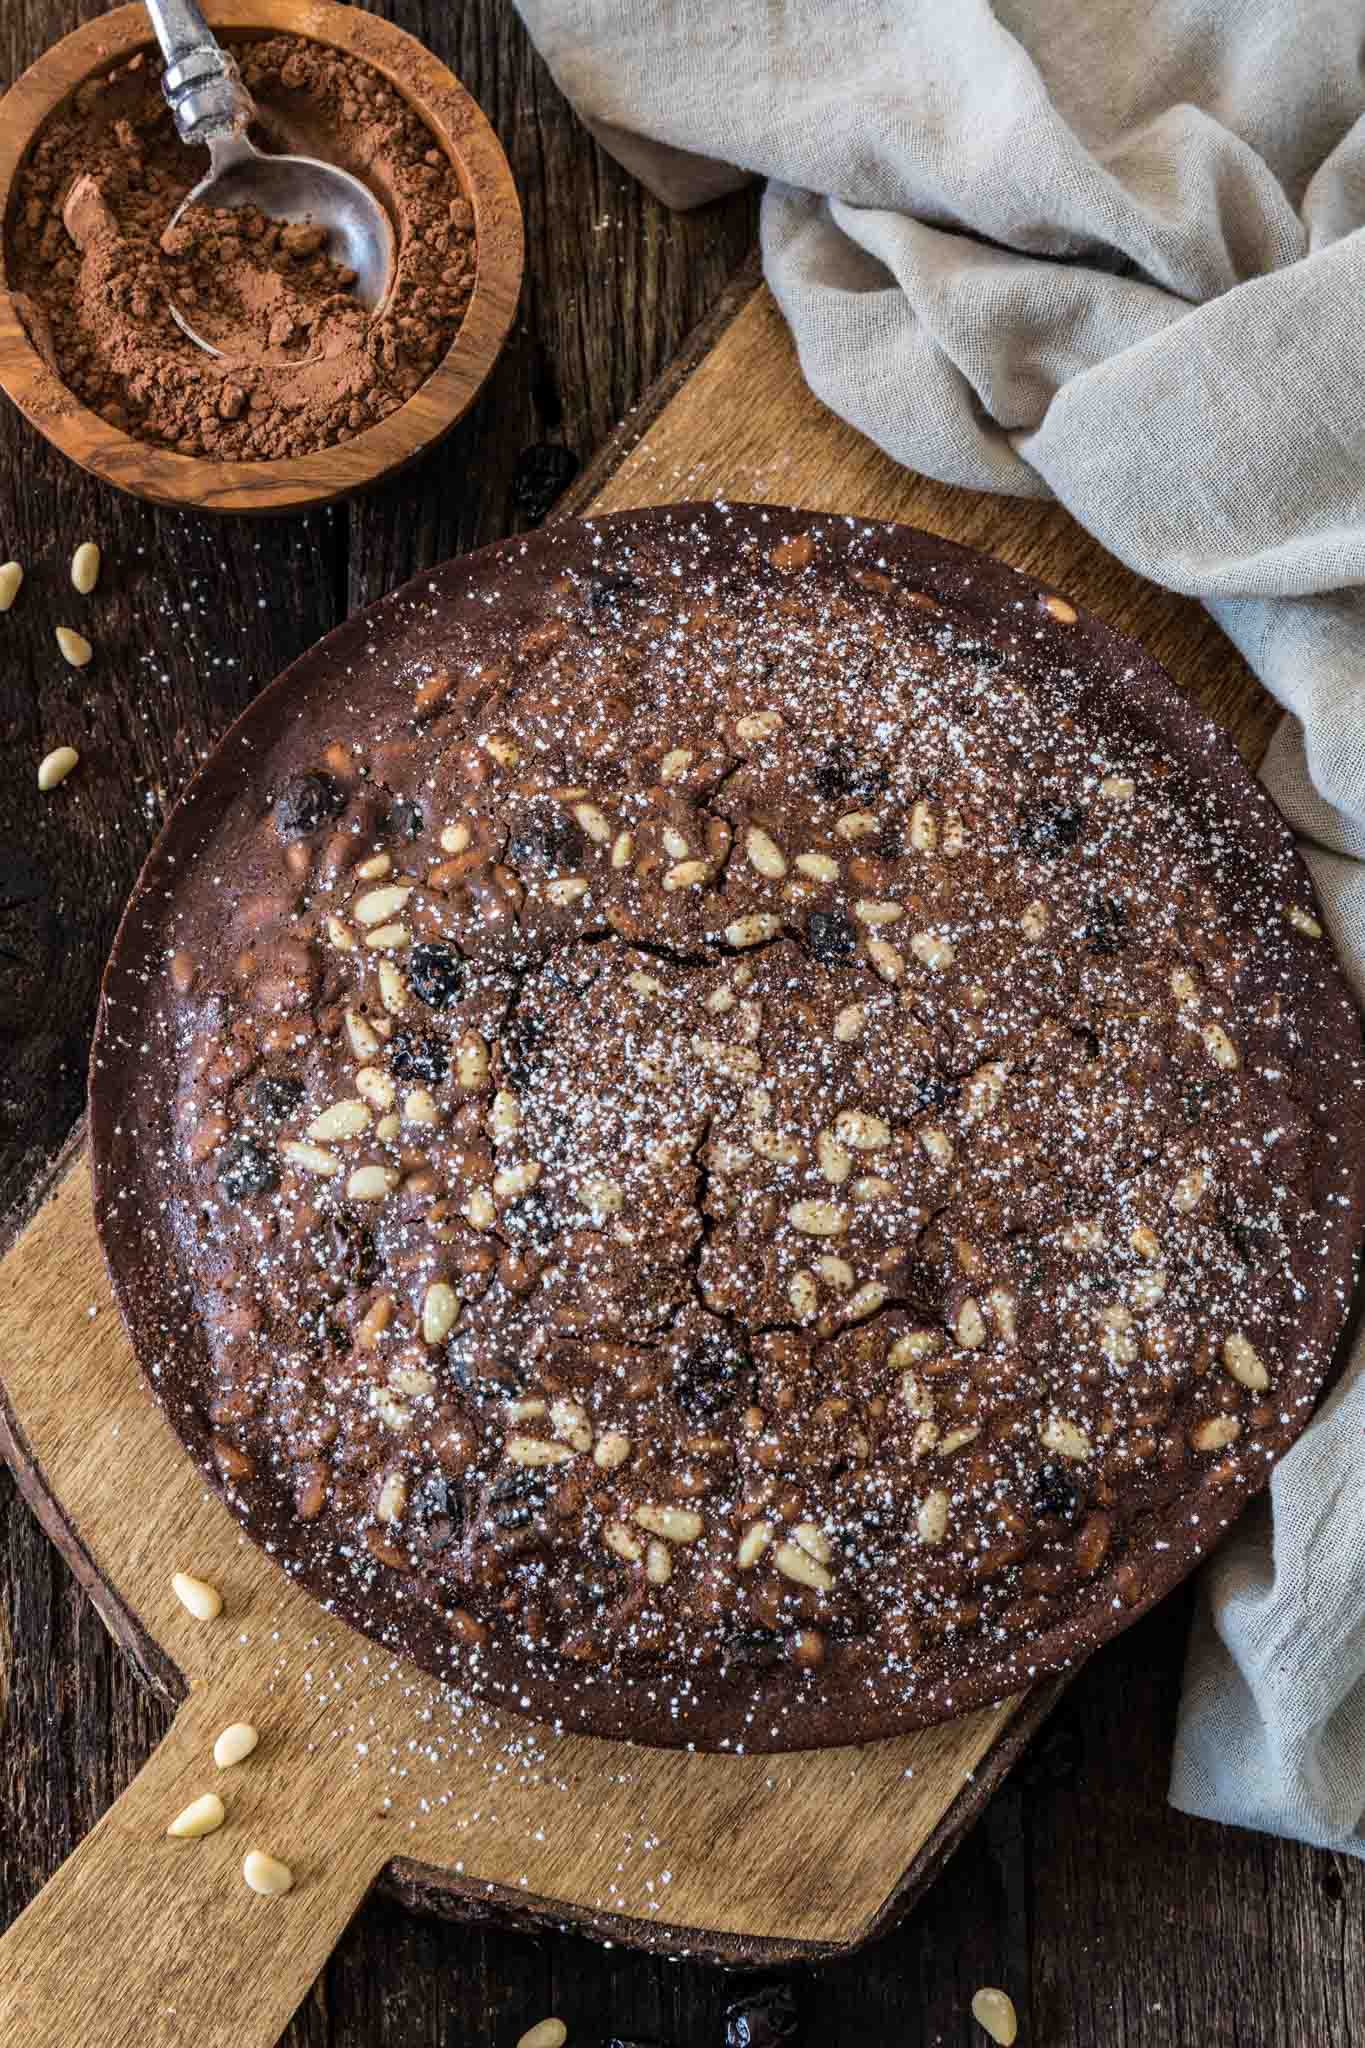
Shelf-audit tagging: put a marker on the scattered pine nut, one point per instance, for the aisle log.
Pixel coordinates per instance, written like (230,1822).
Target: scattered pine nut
(994,2010)
(75,647)
(85,567)
(11,576)
(202,1600)
(201,1817)
(234,1744)
(266,1874)
(545,2034)
(56,766)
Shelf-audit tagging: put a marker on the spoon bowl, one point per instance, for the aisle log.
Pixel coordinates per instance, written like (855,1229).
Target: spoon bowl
(210,105)
(301,191)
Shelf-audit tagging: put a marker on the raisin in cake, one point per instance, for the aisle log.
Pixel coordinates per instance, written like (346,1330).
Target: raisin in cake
(731,1127)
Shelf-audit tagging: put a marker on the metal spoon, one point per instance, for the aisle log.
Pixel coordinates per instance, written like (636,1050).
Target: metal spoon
(211,106)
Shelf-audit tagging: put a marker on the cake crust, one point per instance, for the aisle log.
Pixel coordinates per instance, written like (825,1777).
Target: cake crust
(731,1127)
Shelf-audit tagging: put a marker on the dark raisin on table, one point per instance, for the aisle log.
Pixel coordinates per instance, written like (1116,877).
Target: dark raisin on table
(1054,1757)
(763,2018)
(544,386)
(543,472)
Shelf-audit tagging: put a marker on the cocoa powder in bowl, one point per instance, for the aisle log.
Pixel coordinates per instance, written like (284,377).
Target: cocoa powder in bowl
(303,365)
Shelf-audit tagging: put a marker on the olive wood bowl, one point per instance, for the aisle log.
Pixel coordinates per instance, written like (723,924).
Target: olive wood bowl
(295,482)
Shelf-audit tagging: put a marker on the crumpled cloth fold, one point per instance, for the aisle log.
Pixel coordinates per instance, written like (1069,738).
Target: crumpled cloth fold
(1112,255)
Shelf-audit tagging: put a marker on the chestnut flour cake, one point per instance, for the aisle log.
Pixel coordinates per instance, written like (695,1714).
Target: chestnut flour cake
(731,1127)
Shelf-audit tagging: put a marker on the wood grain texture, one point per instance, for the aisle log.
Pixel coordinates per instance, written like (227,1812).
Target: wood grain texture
(298,482)
(1114,1922)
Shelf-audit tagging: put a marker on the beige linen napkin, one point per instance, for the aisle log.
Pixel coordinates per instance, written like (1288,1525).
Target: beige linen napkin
(1112,254)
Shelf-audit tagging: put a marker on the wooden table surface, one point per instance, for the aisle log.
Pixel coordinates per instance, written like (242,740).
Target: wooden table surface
(1114,1922)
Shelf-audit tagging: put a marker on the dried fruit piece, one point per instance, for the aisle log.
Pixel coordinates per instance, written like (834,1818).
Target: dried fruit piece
(831,936)
(757,1649)
(1049,829)
(543,472)
(845,773)
(305,804)
(405,820)
(275,1097)
(1105,925)
(436,973)
(710,1374)
(554,844)
(763,2018)
(245,1169)
(414,1058)
(1055,1496)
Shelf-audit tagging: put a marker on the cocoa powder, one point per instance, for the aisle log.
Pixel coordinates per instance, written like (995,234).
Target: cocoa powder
(302,365)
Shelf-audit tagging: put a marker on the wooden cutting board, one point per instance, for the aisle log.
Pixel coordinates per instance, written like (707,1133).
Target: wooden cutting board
(366,1768)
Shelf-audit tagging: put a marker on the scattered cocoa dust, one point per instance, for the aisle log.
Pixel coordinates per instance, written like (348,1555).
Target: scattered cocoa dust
(303,364)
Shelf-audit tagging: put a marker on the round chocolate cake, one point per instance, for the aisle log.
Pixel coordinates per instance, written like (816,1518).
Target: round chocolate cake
(732,1127)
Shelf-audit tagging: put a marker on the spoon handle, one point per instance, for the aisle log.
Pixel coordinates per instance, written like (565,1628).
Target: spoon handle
(201,82)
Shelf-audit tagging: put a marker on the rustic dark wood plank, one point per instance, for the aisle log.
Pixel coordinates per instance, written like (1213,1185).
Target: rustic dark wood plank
(182,639)
(613,284)
(1115,1923)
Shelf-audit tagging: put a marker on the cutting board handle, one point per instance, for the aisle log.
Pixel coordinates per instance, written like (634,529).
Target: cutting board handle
(143,1941)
